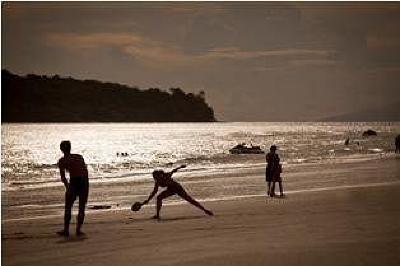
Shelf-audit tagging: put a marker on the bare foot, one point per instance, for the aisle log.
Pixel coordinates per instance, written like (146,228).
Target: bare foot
(63,233)
(156,217)
(208,212)
(80,233)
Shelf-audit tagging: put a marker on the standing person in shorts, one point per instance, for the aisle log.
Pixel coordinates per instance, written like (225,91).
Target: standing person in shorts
(164,179)
(272,170)
(277,178)
(78,186)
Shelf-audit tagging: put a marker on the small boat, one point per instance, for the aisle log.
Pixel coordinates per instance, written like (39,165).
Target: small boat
(369,132)
(245,149)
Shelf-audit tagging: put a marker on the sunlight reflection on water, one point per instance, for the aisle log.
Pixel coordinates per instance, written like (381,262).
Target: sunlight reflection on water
(30,151)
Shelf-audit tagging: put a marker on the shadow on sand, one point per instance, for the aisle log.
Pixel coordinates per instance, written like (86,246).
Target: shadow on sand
(71,239)
(182,218)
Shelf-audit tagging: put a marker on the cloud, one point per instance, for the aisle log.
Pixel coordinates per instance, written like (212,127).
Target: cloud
(382,43)
(236,53)
(129,43)
(75,41)
(314,62)
(157,53)
(384,69)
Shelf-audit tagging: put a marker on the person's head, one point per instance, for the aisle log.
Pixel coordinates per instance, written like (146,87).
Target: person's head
(273,149)
(65,146)
(157,173)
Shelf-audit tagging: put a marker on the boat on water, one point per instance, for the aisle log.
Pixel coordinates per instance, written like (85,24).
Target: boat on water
(246,149)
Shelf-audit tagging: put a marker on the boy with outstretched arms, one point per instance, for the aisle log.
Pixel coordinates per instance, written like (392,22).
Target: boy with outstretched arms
(164,179)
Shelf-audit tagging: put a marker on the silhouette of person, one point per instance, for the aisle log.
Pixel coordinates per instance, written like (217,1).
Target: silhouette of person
(277,178)
(272,172)
(164,179)
(397,144)
(78,186)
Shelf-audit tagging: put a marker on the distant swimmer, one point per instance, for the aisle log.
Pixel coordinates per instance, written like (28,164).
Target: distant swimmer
(272,171)
(164,179)
(78,186)
(397,143)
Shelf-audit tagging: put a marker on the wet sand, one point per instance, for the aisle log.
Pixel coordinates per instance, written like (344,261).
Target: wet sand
(342,225)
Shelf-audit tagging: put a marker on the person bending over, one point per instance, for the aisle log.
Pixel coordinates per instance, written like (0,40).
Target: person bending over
(164,179)
(78,186)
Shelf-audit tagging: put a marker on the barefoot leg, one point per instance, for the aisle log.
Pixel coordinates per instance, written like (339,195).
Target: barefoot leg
(184,195)
(165,194)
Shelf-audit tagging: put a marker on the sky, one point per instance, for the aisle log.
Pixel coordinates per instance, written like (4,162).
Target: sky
(256,61)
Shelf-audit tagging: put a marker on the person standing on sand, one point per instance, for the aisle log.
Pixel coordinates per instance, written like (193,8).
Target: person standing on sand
(78,186)
(277,178)
(163,179)
(272,171)
(397,144)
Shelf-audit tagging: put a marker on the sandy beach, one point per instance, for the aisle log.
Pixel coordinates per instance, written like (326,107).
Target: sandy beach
(200,105)
(356,224)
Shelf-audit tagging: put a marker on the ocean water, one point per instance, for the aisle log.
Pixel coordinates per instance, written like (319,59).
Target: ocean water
(30,153)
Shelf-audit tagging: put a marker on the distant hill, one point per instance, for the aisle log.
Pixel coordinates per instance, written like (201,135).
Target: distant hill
(35,98)
(390,112)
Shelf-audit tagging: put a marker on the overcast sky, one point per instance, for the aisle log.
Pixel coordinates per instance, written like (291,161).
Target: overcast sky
(255,61)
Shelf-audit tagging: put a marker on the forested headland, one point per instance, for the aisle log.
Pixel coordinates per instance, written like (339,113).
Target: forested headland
(40,98)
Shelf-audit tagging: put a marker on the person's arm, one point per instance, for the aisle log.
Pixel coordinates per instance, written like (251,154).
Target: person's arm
(62,174)
(176,169)
(268,159)
(151,194)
